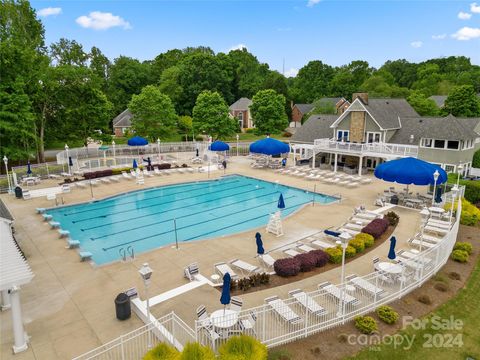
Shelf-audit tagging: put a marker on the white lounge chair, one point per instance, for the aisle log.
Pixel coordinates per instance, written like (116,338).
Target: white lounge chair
(66,188)
(353,226)
(322,244)
(422,244)
(307,302)
(337,294)
(81,184)
(365,285)
(105,180)
(127,176)
(436,230)
(267,260)
(115,178)
(244,267)
(349,231)
(291,252)
(223,268)
(305,247)
(283,310)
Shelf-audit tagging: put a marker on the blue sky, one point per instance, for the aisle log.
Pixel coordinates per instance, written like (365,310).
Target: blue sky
(333,31)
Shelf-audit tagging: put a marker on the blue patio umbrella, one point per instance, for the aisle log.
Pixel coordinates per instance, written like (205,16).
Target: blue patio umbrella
(70,161)
(281,202)
(260,249)
(391,252)
(409,171)
(135,164)
(269,146)
(225,298)
(137,141)
(218,146)
(29,169)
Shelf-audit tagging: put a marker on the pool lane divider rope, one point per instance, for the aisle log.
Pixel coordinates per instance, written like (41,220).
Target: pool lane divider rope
(178,217)
(196,188)
(156,204)
(205,221)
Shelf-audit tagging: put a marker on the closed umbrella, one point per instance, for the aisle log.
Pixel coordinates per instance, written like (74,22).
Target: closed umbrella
(29,169)
(260,249)
(196,152)
(70,161)
(135,164)
(225,297)
(391,252)
(438,195)
(281,202)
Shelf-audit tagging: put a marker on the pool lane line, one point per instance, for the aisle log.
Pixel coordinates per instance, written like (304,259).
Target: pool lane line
(154,205)
(242,222)
(153,197)
(201,222)
(178,217)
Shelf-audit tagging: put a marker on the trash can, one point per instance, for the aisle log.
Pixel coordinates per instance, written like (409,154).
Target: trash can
(18,192)
(394,200)
(122,306)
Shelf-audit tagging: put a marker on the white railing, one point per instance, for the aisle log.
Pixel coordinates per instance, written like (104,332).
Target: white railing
(273,330)
(366,149)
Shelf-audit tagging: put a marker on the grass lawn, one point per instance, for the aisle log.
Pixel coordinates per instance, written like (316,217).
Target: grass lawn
(465,307)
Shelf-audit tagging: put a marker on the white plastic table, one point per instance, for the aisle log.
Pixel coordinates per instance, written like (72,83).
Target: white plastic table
(224,318)
(390,268)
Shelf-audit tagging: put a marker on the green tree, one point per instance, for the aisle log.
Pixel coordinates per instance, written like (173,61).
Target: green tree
(153,113)
(463,102)
(323,106)
(170,86)
(100,66)
(423,105)
(68,52)
(185,124)
(165,61)
(348,78)
(268,112)
(404,73)
(312,82)
(211,117)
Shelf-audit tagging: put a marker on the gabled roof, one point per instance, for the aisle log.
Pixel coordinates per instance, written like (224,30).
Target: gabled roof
(124,119)
(4,212)
(241,104)
(316,127)
(439,100)
(447,128)
(304,108)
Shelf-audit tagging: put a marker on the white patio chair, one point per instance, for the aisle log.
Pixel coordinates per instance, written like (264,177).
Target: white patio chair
(307,302)
(283,310)
(223,268)
(244,267)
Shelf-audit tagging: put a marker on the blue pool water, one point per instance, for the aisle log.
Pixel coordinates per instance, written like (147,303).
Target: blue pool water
(144,219)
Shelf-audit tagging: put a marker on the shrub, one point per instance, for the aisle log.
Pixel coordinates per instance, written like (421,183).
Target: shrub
(387,314)
(470,215)
(321,257)
(368,239)
(350,251)
(442,287)
(424,299)
(244,284)
(334,255)
(376,227)
(358,244)
(465,246)
(242,347)
(286,267)
(250,130)
(392,218)
(307,261)
(454,275)
(287,134)
(366,324)
(195,351)
(162,351)
(459,256)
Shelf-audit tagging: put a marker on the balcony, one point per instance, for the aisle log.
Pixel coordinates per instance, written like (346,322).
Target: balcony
(383,150)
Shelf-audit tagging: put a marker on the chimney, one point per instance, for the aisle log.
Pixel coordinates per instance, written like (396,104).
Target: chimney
(363,96)
(291,104)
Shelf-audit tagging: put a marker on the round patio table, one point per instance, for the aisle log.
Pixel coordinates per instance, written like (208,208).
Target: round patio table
(224,318)
(390,268)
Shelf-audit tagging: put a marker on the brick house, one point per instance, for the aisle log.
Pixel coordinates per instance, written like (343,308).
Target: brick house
(122,123)
(240,110)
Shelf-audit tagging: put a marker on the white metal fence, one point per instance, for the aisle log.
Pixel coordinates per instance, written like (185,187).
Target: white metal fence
(289,320)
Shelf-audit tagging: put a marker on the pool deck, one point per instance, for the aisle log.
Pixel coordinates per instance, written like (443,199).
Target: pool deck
(69,309)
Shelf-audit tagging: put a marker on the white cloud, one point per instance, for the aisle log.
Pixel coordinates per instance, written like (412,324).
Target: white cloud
(313,2)
(475,8)
(416,44)
(238,47)
(292,72)
(49,11)
(98,20)
(439,37)
(467,33)
(464,16)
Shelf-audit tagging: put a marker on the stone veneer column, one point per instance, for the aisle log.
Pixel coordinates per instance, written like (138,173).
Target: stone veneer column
(357,126)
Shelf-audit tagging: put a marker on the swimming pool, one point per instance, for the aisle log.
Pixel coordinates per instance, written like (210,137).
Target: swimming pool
(146,219)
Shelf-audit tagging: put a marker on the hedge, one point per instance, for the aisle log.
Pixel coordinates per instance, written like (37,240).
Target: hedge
(387,314)
(242,347)
(358,244)
(460,256)
(366,324)
(470,215)
(472,188)
(321,257)
(195,351)
(465,246)
(334,255)
(368,239)
(350,251)
(162,352)
(376,227)
(286,267)
(307,261)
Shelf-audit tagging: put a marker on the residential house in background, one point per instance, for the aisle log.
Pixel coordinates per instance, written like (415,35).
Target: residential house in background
(440,99)
(240,110)
(300,110)
(122,123)
(371,131)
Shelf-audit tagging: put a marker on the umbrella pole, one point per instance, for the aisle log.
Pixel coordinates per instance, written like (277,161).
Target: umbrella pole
(314,192)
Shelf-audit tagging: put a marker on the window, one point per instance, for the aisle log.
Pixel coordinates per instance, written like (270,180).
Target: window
(453,144)
(427,142)
(373,137)
(439,144)
(449,168)
(468,144)
(343,135)
(240,119)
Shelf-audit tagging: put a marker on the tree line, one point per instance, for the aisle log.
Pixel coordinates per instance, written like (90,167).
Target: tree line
(64,92)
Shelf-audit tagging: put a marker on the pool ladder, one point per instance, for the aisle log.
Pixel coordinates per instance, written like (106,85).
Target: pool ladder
(129,250)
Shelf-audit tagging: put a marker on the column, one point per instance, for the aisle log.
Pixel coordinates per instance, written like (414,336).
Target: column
(5,300)
(360,163)
(335,164)
(313,159)
(19,336)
